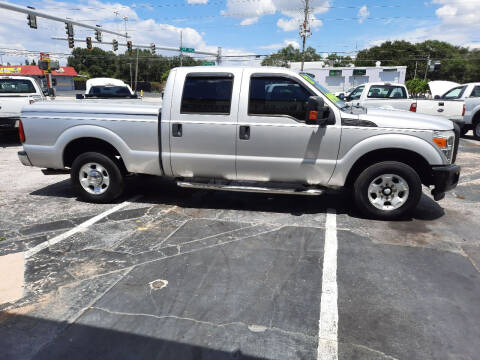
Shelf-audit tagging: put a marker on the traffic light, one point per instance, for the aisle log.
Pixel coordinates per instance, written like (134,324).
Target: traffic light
(129,46)
(115,45)
(32,21)
(69,28)
(98,35)
(89,43)
(71,42)
(152,48)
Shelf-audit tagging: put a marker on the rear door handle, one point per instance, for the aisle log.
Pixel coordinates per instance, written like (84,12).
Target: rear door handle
(244,132)
(177,130)
(441,104)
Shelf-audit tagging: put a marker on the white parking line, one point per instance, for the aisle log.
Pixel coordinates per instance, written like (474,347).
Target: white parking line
(328,323)
(78,228)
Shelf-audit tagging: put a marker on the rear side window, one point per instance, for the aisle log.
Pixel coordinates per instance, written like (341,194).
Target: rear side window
(16,86)
(207,95)
(476,92)
(277,96)
(387,92)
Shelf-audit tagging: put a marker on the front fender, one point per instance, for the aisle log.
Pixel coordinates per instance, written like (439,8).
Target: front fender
(383,141)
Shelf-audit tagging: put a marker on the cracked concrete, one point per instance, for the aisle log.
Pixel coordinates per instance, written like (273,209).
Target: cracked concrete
(244,274)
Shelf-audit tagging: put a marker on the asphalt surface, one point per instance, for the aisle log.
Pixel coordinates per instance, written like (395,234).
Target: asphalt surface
(193,274)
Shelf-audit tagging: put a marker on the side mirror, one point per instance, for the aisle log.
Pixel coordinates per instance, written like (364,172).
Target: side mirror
(45,92)
(79,97)
(317,112)
(437,97)
(341,96)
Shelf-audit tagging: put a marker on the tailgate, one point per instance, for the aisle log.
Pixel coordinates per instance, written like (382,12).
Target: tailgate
(447,108)
(11,106)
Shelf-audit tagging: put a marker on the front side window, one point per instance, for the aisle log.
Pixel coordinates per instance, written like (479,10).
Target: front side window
(355,95)
(455,93)
(277,96)
(207,95)
(476,92)
(16,86)
(387,92)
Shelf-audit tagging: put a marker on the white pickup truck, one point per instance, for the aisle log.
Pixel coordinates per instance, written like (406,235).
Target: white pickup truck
(470,95)
(246,129)
(16,92)
(395,96)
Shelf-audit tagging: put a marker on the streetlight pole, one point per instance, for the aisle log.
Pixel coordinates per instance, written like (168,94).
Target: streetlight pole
(181,45)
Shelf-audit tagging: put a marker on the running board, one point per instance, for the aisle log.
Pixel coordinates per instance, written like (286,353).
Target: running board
(253,189)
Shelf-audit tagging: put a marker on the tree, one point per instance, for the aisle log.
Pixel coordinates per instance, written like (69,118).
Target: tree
(27,62)
(457,63)
(416,86)
(288,54)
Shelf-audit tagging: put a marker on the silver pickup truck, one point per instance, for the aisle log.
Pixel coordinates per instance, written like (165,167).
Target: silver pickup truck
(247,129)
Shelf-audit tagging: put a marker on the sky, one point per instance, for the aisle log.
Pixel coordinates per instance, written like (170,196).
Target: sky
(244,26)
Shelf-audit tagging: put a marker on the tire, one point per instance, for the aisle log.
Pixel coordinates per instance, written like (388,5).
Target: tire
(476,130)
(103,180)
(370,190)
(464,130)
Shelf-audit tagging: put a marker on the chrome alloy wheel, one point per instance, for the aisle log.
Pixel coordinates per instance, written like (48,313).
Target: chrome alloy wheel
(388,192)
(94,178)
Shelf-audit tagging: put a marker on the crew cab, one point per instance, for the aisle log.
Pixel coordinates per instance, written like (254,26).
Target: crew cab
(395,96)
(246,129)
(15,92)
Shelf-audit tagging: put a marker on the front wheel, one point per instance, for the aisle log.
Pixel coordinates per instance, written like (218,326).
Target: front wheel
(97,178)
(387,190)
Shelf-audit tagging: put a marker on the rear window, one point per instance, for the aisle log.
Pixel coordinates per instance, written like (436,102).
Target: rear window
(16,86)
(207,94)
(387,92)
(109,91)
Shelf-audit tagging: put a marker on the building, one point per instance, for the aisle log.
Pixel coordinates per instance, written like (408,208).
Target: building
(62,79)
(339,79)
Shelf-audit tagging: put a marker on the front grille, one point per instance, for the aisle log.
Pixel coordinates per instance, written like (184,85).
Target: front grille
(456,128)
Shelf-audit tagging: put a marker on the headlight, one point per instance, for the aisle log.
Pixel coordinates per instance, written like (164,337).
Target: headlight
(445,141)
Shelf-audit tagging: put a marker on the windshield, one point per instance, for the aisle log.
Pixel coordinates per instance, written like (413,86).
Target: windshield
(16,86)
(339,103)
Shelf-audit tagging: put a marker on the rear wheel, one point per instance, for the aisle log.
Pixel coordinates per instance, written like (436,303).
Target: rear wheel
(97,177)
(476,129)
(387,190)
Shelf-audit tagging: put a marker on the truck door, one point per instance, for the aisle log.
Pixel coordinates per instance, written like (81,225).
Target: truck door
(203,124)
(273,141)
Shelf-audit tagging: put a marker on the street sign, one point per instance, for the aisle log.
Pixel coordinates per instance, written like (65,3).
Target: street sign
(189,50)
(208,63)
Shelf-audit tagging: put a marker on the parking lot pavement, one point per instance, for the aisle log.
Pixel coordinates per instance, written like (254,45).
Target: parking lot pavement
(190,274)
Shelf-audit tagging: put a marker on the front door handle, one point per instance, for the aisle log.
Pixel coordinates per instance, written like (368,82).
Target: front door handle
(177,130)
(244,132)
(441,104)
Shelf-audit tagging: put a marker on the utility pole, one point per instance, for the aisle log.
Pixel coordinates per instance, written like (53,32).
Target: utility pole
(131,85)
(305,30)
(416,65)
(136,72)
(428,65)
(181,45)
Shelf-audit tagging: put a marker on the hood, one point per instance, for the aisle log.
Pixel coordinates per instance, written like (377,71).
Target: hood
(440,87)
(406,120)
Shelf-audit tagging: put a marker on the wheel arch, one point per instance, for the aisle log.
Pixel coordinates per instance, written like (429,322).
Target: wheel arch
(408,157)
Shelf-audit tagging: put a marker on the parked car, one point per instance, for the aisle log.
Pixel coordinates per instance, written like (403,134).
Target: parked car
(15,92)
(247,129)
(470,95)
(108,88)
(395,96)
